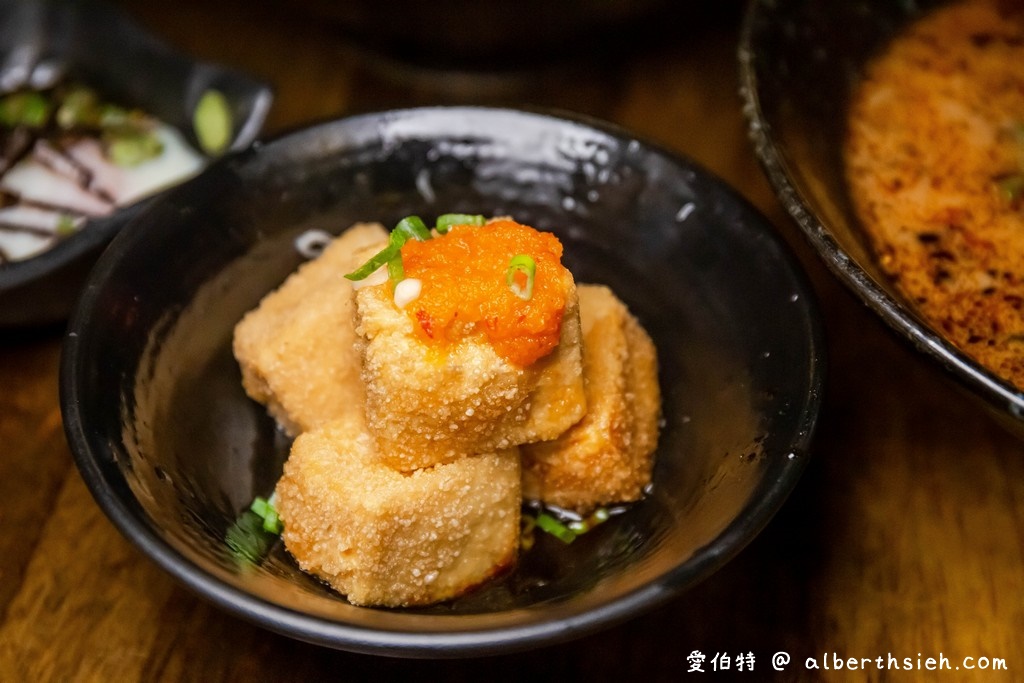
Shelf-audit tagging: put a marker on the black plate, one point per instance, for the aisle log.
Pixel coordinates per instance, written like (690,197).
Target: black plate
(91,42)
(799,62)
(172,449)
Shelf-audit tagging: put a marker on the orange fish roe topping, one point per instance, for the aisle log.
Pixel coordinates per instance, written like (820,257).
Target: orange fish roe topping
(464,290)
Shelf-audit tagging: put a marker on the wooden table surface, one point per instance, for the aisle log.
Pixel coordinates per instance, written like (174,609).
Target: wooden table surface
(905,536)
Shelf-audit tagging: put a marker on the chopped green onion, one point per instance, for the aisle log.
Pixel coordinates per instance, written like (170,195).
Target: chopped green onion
(447,221)
(113,116)
(396,270)
(211,121)
(255,531)
(79,107)
(565,531)
(129,147)
(36,110)
(248,540)
(523,265)
(410,227)
(65,225)
(30,109)
(554,527)
(268,513)
(376,261)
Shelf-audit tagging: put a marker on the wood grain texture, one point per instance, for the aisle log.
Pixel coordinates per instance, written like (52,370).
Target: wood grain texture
(905,535)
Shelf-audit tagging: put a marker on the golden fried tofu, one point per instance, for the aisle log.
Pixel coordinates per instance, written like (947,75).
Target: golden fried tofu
(608,456)
(382,537)
(427,406)
(297,348)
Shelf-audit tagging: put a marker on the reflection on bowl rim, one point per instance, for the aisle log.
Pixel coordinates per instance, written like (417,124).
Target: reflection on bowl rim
(756,512)
(898,315)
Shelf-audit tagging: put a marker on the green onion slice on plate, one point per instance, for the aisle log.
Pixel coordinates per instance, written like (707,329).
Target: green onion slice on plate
(211,121)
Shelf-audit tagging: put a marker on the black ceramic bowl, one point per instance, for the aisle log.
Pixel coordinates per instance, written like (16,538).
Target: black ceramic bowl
(91,42)
(173,450)
(799,62)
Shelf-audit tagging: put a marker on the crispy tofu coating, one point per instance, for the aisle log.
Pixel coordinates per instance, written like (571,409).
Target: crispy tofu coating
(382,537)
(297,349)
(404,484)
(426,405)
(607,457)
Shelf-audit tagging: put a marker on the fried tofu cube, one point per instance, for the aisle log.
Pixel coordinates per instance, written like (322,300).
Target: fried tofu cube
(608,456)
(382,537)
(427,406)
(297,348)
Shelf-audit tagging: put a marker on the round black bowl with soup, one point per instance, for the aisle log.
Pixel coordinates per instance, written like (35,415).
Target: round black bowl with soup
(800,63)
(174,451)
(42,43)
